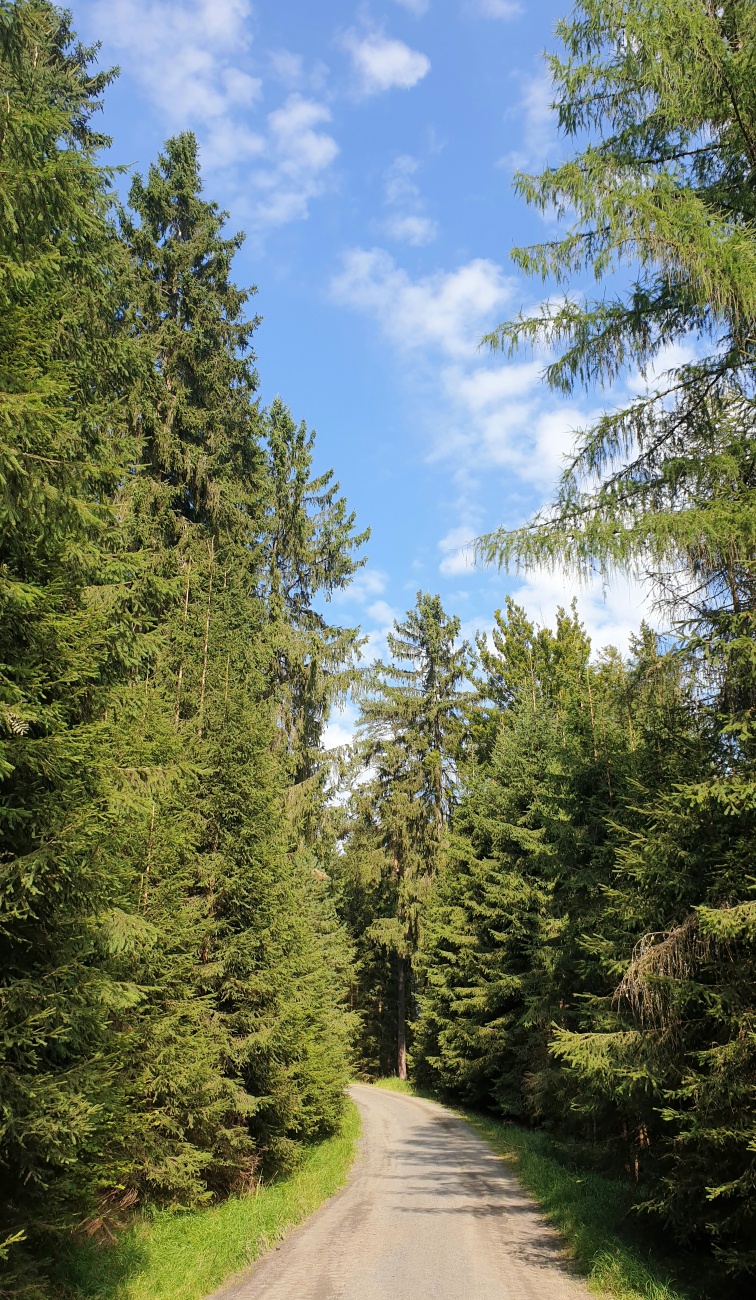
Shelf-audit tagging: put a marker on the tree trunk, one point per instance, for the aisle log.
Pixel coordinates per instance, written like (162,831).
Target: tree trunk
(401,1023)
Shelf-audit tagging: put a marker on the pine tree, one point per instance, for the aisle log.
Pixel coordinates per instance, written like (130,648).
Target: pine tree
(411,731)
(254,1021)
(66,368)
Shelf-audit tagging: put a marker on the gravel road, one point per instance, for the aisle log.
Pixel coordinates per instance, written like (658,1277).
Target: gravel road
(429,1213)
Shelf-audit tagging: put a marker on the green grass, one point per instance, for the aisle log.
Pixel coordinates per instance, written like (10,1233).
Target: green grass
(591,1211)
(402,1085)
(168,1256)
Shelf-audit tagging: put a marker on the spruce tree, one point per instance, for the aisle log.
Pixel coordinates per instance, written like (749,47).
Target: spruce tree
(250,929)
(66,367)
(411,732)
(498,928)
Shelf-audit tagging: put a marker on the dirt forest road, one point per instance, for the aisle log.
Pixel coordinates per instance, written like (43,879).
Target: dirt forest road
(429,1213)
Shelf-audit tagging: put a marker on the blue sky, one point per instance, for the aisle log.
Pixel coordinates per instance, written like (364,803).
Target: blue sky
(368,149)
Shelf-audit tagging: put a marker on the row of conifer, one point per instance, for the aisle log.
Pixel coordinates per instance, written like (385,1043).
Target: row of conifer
(548,878)
(548,866)
(173,973)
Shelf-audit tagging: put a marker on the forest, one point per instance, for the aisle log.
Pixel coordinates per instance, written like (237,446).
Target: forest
(529,884)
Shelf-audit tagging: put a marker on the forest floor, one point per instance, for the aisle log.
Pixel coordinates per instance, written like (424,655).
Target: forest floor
(618,1255)
(168,1256)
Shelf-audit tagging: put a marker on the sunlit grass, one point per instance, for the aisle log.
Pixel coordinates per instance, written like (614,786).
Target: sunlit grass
(589,1209)
(398,1085)
(185,1256)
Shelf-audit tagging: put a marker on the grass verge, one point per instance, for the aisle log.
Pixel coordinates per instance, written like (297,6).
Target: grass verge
(167,1256)
(591,1210)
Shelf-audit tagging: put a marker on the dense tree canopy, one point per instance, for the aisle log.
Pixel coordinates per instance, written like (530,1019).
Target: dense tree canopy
(174,975)
(536,894)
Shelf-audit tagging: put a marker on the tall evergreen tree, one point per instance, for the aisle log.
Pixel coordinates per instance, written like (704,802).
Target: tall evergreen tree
(664,188)
(66,368)
(411,732)
(665,485)
(499,924)
(254,940)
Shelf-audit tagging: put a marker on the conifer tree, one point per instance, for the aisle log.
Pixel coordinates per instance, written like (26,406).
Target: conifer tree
(66,368)
(498,924)
(664,188)
(664,485)
(174,973)
(411,733)
(253,931)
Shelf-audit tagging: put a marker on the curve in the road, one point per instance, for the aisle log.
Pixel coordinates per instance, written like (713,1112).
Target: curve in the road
(429,1213)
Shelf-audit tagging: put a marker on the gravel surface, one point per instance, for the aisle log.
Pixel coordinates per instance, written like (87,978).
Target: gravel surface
(429,1213)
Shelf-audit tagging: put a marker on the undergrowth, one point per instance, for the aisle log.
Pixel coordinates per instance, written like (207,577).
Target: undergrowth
(169,1256)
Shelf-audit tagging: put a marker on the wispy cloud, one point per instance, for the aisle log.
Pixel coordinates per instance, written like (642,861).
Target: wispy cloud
(495,8)
(293,71)
(364,587)
(536,122)
(611,613)
(379,621)
(446,312)
(408,222)
(382,63)
(457,550)
(482,416)
(207,84)
(416,7)
(300,155)
(411,229)
(189,57)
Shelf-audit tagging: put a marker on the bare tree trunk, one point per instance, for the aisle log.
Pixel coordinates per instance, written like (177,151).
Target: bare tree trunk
(401,1022)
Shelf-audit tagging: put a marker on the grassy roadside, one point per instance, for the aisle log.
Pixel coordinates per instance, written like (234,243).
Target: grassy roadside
(185,1256)
(590,1210)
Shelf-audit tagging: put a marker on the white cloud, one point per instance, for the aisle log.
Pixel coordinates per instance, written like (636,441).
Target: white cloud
(399,188)
(341,727)
(496,8)
(187,56)
(408,222)
(416,7)
(411,229)
(365,585)
(457,551)
(287,66)
(206,84)
(481,415)
(382,63)
(301,146)
(447,311)
(300,158)
(379,621)
(291,70)
(493,423)
(611,614)
(538,124)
